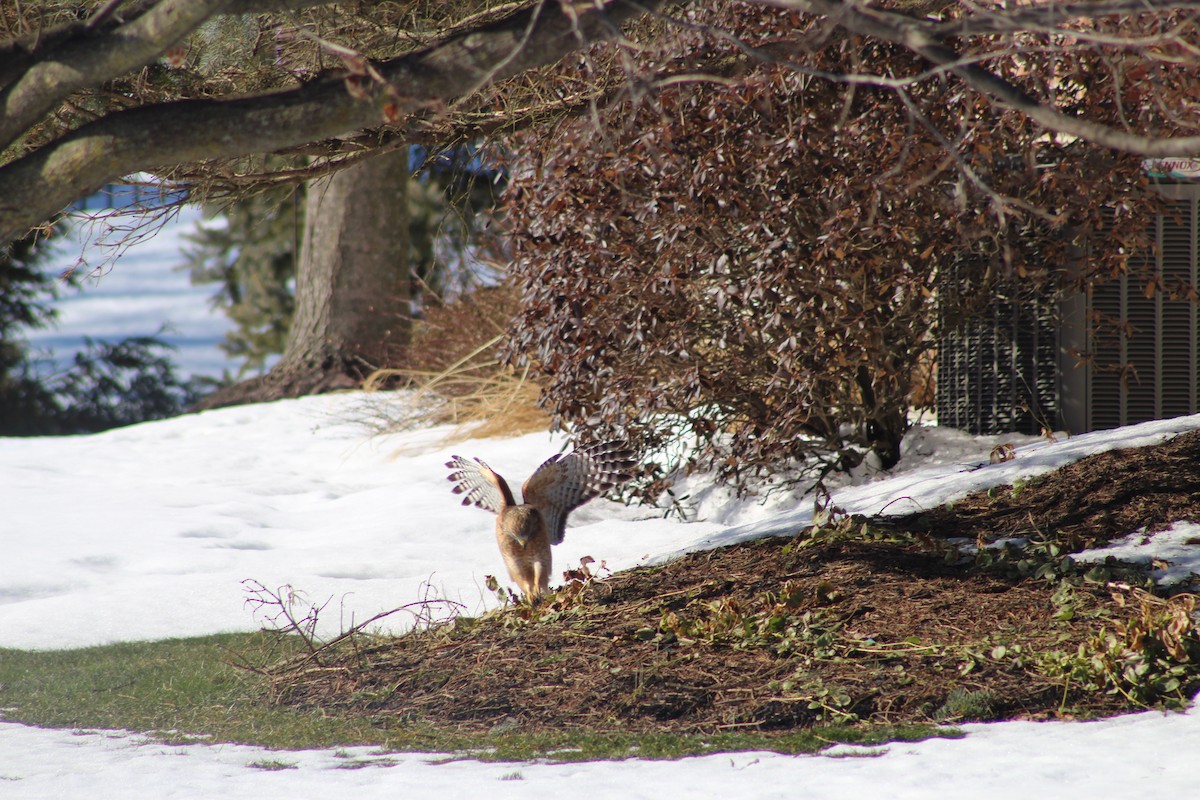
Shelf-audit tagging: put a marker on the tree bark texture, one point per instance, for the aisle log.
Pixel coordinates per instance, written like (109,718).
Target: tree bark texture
(352,282)
(353,288)
(85,62)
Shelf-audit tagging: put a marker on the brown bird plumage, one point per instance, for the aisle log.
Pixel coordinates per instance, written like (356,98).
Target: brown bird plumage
(525,531)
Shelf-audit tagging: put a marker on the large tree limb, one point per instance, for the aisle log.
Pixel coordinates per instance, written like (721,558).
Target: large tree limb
(914,35)
(22,53)
(38,185)
(93,60)
(412,88)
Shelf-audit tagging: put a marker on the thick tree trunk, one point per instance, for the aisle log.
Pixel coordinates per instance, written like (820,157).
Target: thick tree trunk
(353,310)
(352,283)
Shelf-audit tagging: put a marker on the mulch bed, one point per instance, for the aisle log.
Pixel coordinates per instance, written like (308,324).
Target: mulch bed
(884,628)
(1085,504)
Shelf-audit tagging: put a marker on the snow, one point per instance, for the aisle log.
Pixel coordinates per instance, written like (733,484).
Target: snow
(149,532)
(1174,554)
(958,472)
(1122,757)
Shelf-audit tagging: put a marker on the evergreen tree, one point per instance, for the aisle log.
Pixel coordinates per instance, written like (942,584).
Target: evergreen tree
(252,259)
(122,383)
(26,406)
(107,384)
(451,202)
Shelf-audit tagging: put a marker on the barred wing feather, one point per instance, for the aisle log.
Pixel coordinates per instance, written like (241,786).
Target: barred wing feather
(479,484)
(565,482)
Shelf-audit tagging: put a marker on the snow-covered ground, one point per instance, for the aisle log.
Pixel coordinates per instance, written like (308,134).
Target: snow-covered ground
(1127,757)
(149,531)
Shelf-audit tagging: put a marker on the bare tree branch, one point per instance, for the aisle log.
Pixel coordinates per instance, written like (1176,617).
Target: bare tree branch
(913,34)
(1044,16)
(333,155)
(268,6)
(93,60)
(36,186)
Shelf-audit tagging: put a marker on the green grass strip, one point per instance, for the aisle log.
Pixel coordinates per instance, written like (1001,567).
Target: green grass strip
(186,689)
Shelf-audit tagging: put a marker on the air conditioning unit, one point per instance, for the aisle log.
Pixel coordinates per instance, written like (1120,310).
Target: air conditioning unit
(1016,369)
(1148,369)
(998,373)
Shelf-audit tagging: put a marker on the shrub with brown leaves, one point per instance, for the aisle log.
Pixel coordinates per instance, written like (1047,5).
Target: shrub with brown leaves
(748,266)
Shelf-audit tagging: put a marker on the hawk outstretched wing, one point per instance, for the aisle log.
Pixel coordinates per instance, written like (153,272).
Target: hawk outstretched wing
(479,484)
(564,482)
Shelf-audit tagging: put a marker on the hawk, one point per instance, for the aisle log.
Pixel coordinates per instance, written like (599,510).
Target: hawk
(525,531)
